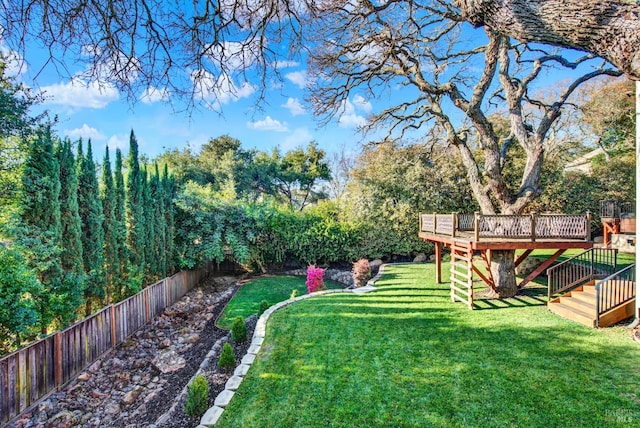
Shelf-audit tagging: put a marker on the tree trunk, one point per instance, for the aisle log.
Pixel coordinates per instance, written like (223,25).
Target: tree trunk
(503,271)
(607,28)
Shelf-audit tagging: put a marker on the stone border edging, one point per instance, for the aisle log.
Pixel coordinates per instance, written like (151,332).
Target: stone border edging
(223,399)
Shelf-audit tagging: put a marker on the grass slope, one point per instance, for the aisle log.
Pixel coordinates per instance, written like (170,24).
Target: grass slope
(273,289)
(405,356)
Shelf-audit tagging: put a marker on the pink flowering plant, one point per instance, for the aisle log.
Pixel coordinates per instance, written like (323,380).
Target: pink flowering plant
(315,280)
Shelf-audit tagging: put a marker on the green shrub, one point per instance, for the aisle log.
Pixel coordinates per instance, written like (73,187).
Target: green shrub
(238,330)
(197,397)
(227,358)
(294,293)
(264,305)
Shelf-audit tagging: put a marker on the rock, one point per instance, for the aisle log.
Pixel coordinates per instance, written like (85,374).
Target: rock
(97,394)
(136,378)
(64,419)
(93,368)
(112,409)
(420,258)
(192,338)
(84,377)
(375,264)
(168,361)
(131,396)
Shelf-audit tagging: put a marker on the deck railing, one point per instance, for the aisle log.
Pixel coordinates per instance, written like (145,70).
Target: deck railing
(595,263)
(521,227)
(615,290)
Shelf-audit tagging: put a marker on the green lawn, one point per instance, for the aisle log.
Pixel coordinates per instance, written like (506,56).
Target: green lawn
(273,289)
(405,356)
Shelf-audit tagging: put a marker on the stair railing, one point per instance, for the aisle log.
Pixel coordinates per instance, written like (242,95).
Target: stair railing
(589,265)
(615,290)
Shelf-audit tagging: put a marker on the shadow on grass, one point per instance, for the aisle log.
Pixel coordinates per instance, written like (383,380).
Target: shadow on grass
(427,362)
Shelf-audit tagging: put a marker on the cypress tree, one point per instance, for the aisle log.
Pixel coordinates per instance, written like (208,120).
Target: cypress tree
(168,185)
(149,226)
(111,261)
(39,231)
(157,196)
(120,229)
(90,208)
(135,218)
(71,225)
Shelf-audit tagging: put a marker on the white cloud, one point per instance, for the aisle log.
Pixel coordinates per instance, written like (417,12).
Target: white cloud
(298,78)
(15,65)
(268,124)
(286,64)
(78,93)
(222,90)
(152,95)
(299,137)
(119,142)
(362,104)
(350,117)
(294,106)
(86,132)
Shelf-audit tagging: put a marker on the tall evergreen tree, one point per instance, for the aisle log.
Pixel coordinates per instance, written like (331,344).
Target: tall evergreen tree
(158,198)
(39,231)
(169,188)
(108,196)
(120,229)
(135,218)
(149,226)
(90,208)
(71,224)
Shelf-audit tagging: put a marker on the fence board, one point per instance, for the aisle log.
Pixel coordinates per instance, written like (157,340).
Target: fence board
(32,372)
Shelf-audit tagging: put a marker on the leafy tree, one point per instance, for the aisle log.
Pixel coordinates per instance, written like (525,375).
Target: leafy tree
(19,287)
(90,209)
(16,125)
(298,173)
(120,229)
(110,227)
(148,209)
(136,232)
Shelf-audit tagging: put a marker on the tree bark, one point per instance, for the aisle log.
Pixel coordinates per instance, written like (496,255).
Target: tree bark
(503,271)
(607,28)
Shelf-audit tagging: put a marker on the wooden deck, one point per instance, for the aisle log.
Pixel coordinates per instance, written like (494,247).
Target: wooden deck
(468,233)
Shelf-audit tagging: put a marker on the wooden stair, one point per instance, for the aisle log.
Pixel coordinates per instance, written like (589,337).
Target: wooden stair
(579,305)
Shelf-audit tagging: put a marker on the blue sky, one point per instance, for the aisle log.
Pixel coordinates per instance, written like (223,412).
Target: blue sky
(104,115)
(101,113)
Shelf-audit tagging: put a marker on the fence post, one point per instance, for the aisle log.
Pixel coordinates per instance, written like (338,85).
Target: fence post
(185,286)
(146,304)
(114,337)
(57,359)
(534,218)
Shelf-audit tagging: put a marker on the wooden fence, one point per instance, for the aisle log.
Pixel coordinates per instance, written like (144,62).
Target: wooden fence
(31,373)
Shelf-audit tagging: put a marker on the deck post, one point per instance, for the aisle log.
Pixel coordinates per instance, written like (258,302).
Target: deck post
(476,228)
(588,237)
(534,218)
(438,262)
(454,222)
(435,223)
